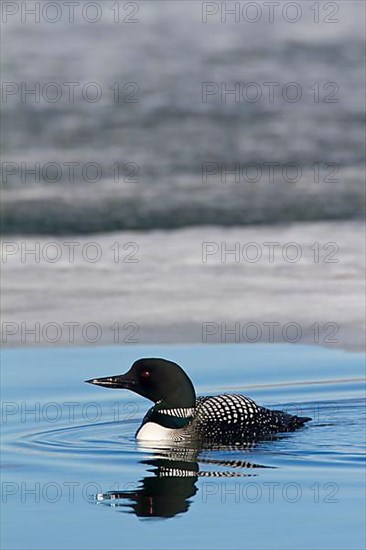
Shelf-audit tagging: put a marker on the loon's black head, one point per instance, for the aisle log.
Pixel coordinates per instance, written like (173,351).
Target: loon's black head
(156,379)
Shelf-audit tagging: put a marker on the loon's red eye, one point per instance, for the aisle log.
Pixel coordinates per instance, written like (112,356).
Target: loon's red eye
(145,374)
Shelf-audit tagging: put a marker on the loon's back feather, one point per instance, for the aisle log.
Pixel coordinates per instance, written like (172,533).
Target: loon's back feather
(229,418)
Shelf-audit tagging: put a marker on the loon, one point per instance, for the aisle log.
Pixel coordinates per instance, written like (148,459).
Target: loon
(178,416)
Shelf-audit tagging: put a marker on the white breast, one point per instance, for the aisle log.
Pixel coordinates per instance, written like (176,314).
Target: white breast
(154,432)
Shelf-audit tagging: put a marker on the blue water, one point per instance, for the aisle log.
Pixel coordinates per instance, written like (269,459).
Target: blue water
(73,475)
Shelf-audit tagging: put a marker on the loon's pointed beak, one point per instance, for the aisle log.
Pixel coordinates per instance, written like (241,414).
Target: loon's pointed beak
(121,381)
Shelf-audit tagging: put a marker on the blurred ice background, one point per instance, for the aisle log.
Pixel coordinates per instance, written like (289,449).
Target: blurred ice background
(161,143)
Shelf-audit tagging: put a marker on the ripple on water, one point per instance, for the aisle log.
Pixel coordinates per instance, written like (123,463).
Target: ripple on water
(317,445)
(92,438)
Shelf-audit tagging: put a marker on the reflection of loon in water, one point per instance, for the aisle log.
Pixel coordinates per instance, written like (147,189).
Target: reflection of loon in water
(168,491)
(178,416)
(165,494)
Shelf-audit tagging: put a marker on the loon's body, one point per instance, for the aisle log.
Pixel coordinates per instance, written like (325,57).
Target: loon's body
(179,416)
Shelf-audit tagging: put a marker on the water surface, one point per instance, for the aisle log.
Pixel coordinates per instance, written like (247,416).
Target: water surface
(73,475)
